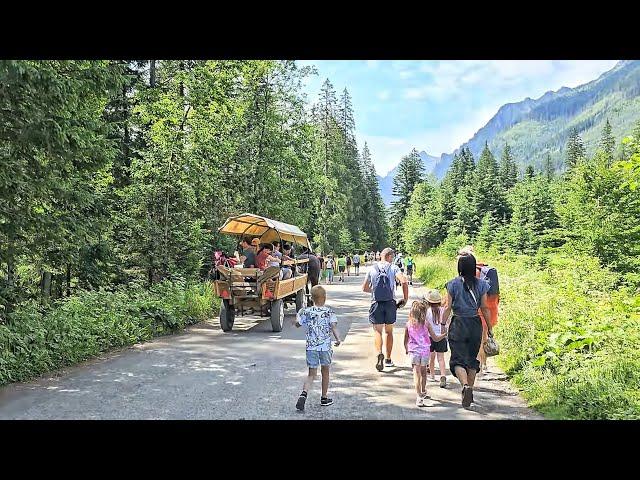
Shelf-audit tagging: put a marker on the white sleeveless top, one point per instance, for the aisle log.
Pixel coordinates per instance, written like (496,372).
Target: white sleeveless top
(438,329)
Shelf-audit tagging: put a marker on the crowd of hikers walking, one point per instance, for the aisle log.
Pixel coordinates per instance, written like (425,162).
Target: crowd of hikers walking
(462,320)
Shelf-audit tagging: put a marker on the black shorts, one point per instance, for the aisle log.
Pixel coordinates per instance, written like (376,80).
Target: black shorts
(341,268)
(440,346)
(465,335)
(383,312)
(409,269)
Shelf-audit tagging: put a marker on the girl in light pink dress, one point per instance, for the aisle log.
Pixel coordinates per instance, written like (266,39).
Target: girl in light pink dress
(417,345)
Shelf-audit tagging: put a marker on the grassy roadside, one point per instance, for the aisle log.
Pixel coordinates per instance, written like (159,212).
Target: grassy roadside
(36,339)
(568,332)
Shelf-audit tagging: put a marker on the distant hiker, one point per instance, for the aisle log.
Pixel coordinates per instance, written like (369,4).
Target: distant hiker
(356,263)
(435,317)
(380,281)
(378,256)
(321,322)
(330,265)
(465,295)
(342,266)
(348,260)
(417,344)
(409,265)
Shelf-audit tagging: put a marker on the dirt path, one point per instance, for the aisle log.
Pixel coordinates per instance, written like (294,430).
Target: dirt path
(253,373)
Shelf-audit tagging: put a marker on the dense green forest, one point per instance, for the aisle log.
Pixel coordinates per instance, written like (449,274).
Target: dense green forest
(566,243)
(115,175)
(590,206)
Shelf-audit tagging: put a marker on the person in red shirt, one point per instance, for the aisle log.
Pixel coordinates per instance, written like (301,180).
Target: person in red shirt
(264,257)
(493,300)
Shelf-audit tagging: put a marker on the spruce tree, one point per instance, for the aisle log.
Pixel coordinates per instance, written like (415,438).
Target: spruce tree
(409,174)
(508,170)
(575,149)
(607,142)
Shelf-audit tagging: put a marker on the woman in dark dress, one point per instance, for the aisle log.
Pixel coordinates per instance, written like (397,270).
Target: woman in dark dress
(465,295)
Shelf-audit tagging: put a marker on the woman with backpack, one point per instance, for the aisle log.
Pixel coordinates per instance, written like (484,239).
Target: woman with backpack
(465,295)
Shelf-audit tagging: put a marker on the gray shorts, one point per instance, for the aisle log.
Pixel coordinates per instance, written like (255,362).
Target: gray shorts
(417,359)
(315,358)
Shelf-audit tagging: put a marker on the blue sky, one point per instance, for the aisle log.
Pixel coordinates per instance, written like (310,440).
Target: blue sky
(438,105)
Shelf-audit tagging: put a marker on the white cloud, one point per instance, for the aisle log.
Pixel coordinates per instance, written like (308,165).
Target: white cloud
(386,152)
(372,63)
(384,94)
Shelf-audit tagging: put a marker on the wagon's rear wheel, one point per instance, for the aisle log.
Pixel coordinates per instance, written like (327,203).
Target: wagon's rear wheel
(227,316)
(277,315)
(300,299)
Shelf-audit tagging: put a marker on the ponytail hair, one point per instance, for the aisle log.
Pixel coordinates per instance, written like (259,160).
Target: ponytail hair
(467,270)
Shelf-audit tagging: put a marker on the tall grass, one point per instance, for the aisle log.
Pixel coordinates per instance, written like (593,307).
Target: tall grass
(568,331)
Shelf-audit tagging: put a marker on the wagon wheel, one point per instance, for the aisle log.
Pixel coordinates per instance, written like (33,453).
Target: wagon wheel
(227,316)
(277,315)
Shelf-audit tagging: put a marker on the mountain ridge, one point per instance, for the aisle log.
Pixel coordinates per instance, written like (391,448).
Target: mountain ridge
(537,127)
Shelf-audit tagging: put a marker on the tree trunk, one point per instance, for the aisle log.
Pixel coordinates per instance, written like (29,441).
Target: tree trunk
(11,272)
(152,74)
(45,285)
(68,279)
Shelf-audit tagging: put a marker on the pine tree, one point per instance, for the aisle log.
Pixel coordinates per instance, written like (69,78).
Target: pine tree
(576,151)
(409,174)
(529,173)
(489,190)
(549,170)
(508,170)
(607,142)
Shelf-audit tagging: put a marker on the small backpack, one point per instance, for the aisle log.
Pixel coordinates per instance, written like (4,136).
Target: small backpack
(381,285)
(490,274)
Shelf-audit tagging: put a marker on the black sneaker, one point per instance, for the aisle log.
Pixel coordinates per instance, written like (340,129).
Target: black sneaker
(389,363)
(324,401)
(300,403)
(467,395)
(380,364)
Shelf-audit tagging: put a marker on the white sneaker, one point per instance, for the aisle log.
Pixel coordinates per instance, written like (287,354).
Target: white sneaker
(389,363)
(419,402)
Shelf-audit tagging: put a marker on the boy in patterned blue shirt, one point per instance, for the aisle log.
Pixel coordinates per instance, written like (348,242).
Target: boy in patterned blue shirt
(321,322)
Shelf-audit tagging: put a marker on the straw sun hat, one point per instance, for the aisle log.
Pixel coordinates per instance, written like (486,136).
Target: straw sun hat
(433,297)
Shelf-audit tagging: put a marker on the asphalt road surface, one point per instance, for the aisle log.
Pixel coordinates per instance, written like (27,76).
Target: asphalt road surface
(253,373)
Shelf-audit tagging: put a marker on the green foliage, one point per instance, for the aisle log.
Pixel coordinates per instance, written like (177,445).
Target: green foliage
(36,340)
(568,335)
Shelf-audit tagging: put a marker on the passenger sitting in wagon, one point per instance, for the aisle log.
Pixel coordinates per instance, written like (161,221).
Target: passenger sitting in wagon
(265,258)
(287,254)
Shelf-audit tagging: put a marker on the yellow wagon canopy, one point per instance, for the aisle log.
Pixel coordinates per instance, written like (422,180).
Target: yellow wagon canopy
(264,228)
